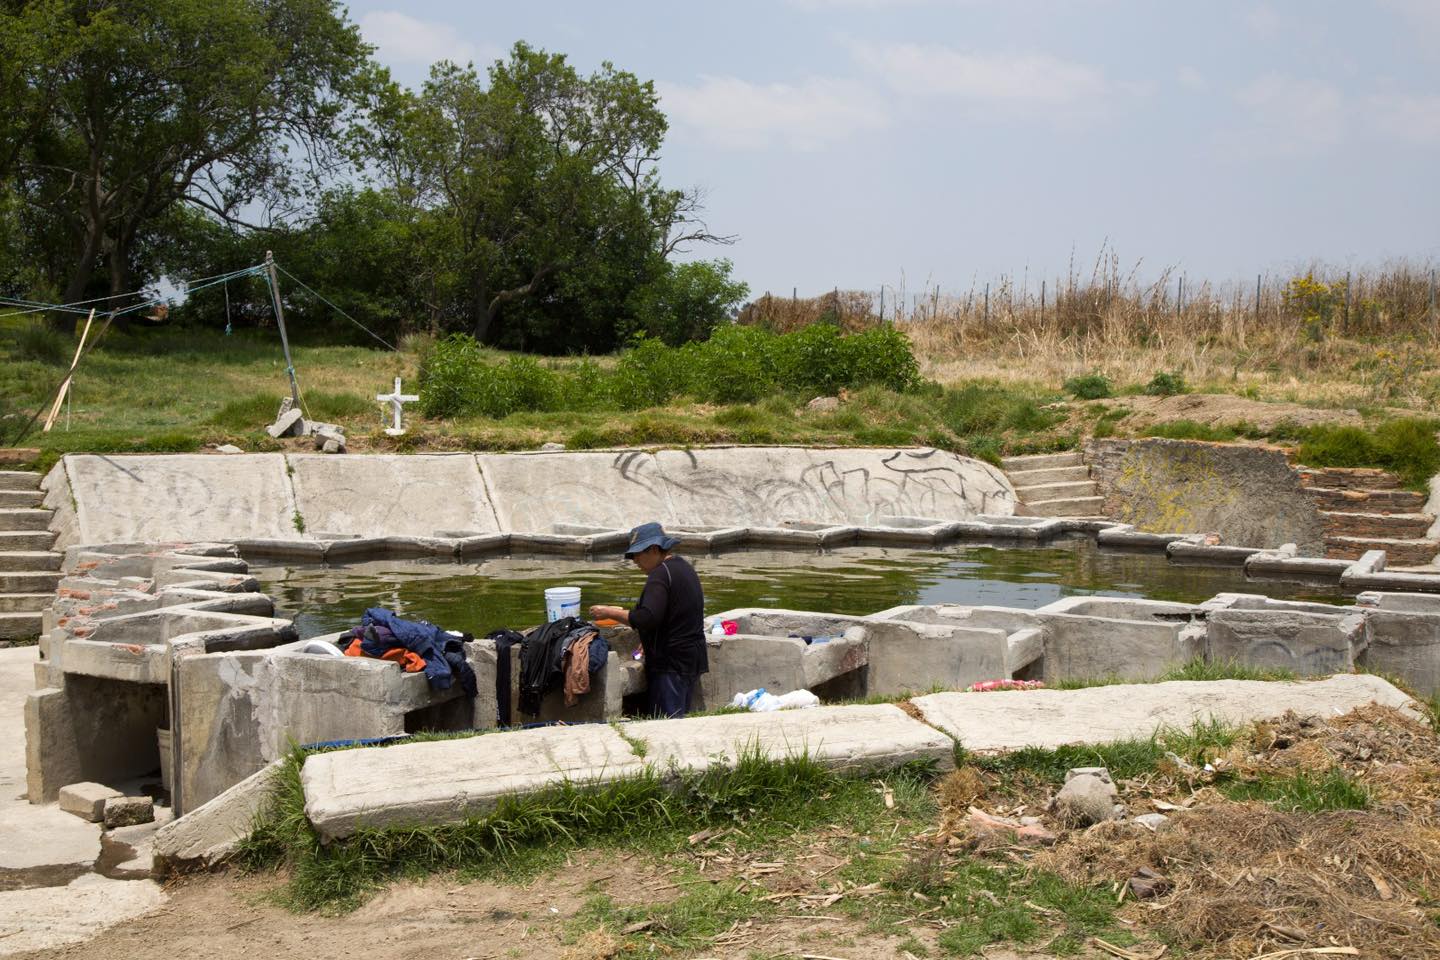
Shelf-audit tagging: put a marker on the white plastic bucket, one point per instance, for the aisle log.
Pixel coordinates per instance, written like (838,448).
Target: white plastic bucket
(561,602)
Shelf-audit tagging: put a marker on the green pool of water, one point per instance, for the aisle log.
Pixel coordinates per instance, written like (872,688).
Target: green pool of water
(509,591)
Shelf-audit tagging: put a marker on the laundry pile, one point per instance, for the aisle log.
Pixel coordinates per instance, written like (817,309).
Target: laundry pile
(414,644)
(557,655)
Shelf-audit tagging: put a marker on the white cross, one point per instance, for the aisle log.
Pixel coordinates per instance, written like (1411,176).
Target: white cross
(396,401)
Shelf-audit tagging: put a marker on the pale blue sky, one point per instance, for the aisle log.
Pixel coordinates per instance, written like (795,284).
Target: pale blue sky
(859,142)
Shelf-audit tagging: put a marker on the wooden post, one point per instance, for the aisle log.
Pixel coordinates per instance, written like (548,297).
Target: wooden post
(987,303)
(1042,302)
(65,384)
(280,321)
(1257,299)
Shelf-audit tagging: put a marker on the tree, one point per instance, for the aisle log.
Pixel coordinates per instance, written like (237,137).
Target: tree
(688,301)
(131,107)
(544,183)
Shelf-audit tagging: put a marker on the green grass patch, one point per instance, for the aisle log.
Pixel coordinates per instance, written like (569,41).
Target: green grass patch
(1406,447)
(1302,792)
(522,835)
(1201,669)
(1124,758)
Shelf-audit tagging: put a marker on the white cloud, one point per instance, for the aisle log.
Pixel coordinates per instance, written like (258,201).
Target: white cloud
(738,114)
(1423,14)
(1192,79)
(403,39)
(1263,19)
(1406,117)
(1295,112)
(916,69)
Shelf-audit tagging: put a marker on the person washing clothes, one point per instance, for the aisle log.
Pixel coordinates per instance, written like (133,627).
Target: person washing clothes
(669,618)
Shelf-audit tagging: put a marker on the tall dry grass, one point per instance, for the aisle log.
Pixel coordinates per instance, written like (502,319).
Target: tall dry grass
(1319,335)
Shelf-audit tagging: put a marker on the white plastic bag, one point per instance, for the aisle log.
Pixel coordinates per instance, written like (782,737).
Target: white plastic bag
(759,701)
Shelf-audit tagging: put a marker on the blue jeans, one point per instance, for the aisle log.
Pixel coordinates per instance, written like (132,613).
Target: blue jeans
(670,694)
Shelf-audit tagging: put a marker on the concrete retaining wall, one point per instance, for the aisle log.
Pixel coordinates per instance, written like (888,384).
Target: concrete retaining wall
(1250,495)
(294,497)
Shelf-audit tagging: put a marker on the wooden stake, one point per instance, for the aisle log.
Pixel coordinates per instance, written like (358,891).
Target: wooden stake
(65,384)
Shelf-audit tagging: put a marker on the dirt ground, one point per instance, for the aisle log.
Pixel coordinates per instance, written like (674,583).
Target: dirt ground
(227,916)
(1218,409)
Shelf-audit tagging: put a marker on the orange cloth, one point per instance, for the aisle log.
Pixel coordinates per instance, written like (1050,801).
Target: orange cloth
(409,661)
(577,669)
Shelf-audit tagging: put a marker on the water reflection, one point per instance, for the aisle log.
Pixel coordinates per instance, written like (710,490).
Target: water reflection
(496,592)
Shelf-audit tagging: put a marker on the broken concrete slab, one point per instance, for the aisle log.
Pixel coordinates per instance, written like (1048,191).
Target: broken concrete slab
(87,800)
(46,917)
(845,738)
(128,812)
(290,423)
(1052,718)
(213,830)
(446,781)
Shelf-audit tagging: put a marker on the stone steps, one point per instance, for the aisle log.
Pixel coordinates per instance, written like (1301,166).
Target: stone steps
(16,561)
(21,626)
(1349,478)
(1055,491)
(1383,526)
(24,519)
(1032,478)
(19,480)
(1398,553)
(14,540)
(25,602)
(29,581)
(1067,507)
(20,499)
(1041,461)
(1367,501)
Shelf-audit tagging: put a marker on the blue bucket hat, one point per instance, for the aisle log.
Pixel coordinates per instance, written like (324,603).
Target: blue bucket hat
(649,535)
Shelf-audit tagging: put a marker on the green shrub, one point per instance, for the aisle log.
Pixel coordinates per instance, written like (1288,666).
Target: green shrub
(648,375)
(986,409)
(1165,384)
(1092,386)
(1406,447)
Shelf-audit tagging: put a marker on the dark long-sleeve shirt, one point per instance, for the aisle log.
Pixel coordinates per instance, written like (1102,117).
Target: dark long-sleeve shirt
(670,620)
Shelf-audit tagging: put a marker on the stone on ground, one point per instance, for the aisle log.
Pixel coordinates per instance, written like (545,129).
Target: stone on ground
(857,737)
(1052,718)
(128,811)
(87,800)
(289,423)
(445,781)
(1088,798)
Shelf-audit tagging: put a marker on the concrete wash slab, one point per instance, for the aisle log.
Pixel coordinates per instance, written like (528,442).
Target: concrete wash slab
(444,781)
(391,495)
(48,847)
(848,738)
(534,491)
(170,498)
(1051,718)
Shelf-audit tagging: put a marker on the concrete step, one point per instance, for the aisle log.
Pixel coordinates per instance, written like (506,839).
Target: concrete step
(15,561)
(1056,491)
(1386,526)
(1399,553)
(1349,478)
(19,480)
(24,519)
(1067,507)
(1366,501)
(13,499)
(1030,478)
(20,626)
(1042,461)
(29,581)
(24,602)
(12,540)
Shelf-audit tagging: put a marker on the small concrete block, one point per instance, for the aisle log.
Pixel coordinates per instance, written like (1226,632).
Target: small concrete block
(87,800)
(289,423)
(552,447)
(128,811)
(858,737)
(228,448)
(332,446)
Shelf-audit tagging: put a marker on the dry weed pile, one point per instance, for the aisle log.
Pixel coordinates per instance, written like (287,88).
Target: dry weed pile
(1243,879)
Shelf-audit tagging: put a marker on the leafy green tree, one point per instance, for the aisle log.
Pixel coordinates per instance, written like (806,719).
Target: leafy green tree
(688,301)
(544,188)
(132,107)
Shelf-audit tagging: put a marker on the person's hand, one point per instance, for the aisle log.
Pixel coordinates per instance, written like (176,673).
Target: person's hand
(602,612)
